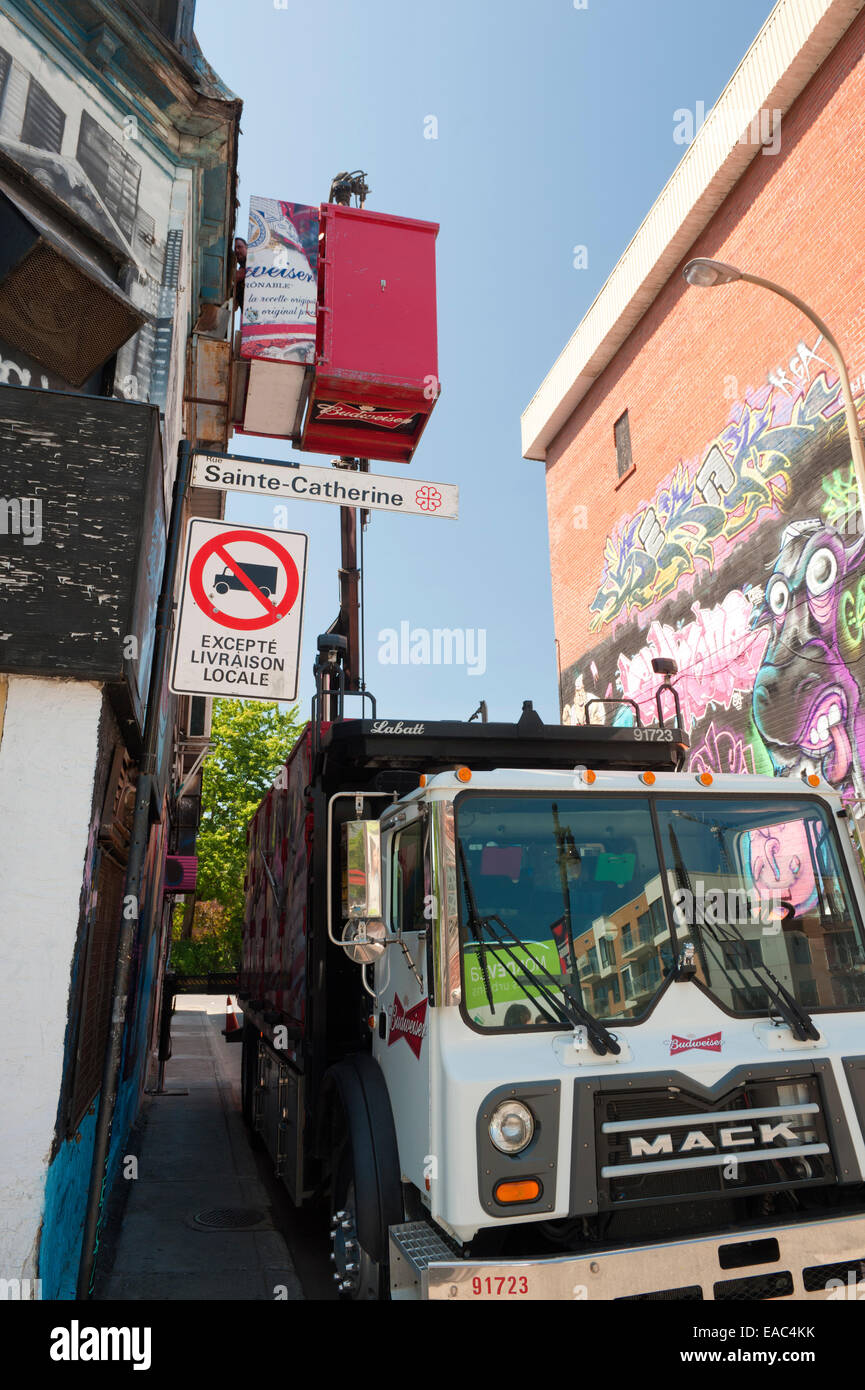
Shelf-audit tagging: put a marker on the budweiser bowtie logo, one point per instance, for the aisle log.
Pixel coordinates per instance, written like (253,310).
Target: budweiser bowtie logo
(407,1023)
(711,1042)
(363,415)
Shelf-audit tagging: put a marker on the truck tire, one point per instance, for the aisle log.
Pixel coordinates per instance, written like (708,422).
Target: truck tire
(249,1081)
(366,1187)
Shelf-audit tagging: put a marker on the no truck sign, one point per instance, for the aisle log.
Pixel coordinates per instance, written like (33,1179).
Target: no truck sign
(241,610)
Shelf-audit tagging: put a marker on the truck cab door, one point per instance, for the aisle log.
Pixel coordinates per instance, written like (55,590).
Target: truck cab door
(401,981)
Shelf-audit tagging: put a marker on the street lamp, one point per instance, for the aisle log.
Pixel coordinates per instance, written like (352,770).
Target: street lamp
(705,274)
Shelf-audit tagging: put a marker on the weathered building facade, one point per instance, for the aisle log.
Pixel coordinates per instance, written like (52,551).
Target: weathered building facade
(702,503)
(118,149)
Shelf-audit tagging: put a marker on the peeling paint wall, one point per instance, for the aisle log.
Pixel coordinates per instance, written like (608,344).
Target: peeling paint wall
(47,760)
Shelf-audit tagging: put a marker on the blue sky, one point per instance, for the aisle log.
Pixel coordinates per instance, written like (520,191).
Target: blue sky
(555,129)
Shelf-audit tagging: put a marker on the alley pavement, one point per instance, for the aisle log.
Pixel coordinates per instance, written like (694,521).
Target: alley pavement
(196,1176)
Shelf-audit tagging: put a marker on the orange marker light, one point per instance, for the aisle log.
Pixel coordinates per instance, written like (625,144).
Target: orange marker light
(529,1190)
(705,779)
(422,782)
(589,776)
(464,774)
(371,1022)
(648,778)
(813,779)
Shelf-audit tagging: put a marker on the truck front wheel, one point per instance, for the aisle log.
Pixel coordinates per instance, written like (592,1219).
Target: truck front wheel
(366,1187)
(359,1276)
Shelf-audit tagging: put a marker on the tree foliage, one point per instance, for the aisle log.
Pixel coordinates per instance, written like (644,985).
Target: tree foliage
(250,740)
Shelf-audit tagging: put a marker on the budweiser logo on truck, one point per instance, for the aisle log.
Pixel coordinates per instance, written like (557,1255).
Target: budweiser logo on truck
(407,1023)
(710,1042)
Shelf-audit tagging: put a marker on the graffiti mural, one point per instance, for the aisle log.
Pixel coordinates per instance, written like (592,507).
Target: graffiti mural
(747,568)
(694,519)
(807,703)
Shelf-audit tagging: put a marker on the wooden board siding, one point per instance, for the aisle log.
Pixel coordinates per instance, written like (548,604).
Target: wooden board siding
(68,602)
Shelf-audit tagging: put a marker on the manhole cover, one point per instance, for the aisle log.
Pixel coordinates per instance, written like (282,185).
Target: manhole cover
(229,1219)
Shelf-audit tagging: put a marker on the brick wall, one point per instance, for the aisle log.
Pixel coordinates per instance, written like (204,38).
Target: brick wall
(693,374)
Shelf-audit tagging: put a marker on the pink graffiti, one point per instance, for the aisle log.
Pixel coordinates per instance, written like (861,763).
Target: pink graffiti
(722,750)
(781,864)
(718,656)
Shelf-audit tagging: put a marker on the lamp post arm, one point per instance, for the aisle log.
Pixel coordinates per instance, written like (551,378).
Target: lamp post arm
(853,427)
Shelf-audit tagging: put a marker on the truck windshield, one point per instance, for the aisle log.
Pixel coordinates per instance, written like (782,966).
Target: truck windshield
(573,878)
(579,881)
(760,880)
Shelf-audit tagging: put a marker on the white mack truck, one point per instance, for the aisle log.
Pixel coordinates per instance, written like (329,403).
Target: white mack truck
(545,1016)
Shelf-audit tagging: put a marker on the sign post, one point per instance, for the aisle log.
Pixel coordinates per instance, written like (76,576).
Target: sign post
(240,617)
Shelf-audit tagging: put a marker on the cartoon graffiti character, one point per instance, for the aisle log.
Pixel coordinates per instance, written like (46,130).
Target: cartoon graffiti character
(782,858)
(806,703)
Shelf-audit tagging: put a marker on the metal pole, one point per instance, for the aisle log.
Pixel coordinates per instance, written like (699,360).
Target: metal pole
(348,596)
(854,428)
(132,893)
(343,187)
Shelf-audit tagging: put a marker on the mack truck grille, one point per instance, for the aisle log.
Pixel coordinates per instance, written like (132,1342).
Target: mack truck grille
(665,1144)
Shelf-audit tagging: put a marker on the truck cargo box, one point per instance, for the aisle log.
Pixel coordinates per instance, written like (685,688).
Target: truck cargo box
(279,841)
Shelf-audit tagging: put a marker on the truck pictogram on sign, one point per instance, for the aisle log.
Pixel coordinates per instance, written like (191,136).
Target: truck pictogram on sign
(240,581)
(246,577)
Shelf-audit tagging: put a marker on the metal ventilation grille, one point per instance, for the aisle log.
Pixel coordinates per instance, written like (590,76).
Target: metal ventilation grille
(850,1272)
(642,1161)
(54,312)
(690,1293)
(755,1286)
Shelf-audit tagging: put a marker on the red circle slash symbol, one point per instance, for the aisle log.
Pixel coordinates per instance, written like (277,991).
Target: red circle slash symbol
(272,612)
(429,499)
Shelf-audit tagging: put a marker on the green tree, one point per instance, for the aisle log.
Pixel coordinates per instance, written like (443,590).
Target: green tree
(250,740)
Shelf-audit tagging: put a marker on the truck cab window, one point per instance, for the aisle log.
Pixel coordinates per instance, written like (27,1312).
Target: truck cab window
(409,888)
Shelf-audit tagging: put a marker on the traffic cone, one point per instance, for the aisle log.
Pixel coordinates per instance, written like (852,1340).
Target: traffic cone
(232,1027)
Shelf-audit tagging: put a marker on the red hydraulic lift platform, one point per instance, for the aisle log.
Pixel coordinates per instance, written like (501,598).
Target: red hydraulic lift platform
(376,353)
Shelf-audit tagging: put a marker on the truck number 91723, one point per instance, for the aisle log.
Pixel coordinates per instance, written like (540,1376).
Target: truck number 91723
(500,1285)
(653,735)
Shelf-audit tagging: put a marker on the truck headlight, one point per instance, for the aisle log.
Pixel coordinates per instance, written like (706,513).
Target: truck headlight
(511,1127)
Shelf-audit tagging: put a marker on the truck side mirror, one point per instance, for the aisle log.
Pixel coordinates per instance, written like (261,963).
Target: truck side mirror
(361,870)
(364,942)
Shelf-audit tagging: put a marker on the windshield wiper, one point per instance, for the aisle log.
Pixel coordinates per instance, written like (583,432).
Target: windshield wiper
(570,1009)
(475,924)
(798,1020)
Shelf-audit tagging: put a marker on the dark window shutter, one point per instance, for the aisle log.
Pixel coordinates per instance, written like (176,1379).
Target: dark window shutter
(5,65)
(98,982)
(113,172)
(43,120)
(622,432)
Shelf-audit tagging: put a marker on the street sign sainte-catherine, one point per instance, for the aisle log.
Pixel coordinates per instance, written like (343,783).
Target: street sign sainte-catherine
(310,483)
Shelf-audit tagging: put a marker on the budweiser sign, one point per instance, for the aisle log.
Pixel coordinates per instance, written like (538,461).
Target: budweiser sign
(710,1042)
(363,415)
(407,1023)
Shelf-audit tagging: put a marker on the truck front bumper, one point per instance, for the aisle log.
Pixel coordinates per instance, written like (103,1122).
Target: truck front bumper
(813,1260)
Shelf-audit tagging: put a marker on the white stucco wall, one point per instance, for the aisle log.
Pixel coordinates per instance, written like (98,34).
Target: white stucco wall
(47,765)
